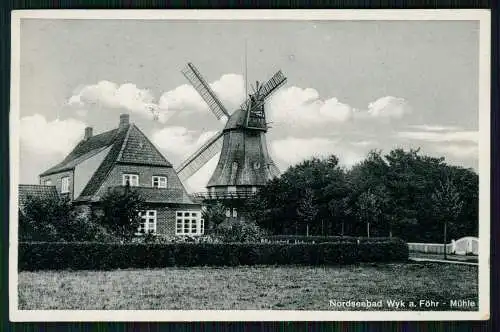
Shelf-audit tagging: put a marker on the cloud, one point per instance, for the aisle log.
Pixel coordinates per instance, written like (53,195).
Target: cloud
(50,137)
(451,136)
(362,143)
(106,94)
(301,107)
(459,150)
(111,95)
(304,107)
(292,150)
(434,127)
(229,88)
(389,107)
(179,141)
(198,181)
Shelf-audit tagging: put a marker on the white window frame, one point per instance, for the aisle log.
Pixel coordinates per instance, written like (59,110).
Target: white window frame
(133,179)
(146,216)
(159,179)
(189,223)
(65,185)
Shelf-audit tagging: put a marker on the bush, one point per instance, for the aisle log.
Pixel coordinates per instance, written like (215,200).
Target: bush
(231,231)
(320,239)
(56,219)
(105,256)
(383,251)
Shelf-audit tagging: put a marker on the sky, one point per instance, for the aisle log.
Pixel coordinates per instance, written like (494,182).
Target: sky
(352,86)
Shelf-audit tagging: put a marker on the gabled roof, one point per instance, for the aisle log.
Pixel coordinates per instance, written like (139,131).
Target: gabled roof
(130,146)
(107,164)
(138,149)
(85,149)
(35,190)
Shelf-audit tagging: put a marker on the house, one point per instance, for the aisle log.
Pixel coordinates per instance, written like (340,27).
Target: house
(124,155)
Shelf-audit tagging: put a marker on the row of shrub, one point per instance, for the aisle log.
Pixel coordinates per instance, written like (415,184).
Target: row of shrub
(321,239)
(105,256)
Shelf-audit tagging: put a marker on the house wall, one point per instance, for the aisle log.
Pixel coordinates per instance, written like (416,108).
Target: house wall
(56,181)
(145,176)
(166,216)
(85,170)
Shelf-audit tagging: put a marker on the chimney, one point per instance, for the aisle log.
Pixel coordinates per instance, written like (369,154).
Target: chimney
(88,133)
(124,120)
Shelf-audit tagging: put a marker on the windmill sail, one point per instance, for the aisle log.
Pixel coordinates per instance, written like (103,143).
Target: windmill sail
(266,89)
(206,152)
(270,86)
(274,170)
(194,77)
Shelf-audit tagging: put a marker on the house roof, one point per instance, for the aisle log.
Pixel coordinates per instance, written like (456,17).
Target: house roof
(85,149)
(155,195)
(130,146)
(129,143)
(35,190)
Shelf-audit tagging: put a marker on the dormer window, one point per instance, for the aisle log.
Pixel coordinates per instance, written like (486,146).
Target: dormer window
(159,181)
(65,185)
(131,179)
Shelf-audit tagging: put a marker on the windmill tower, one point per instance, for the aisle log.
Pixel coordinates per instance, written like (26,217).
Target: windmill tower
(244,163)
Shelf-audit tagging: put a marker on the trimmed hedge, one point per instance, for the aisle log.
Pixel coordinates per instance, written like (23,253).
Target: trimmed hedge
(322,239)
(106,256)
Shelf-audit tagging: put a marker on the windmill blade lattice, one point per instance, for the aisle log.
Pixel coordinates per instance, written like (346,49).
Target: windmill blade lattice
(206,152)
(194,77)
(266,89)
(274,82)
(274,170)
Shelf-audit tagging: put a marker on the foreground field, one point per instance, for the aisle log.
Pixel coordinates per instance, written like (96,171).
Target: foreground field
(261,287)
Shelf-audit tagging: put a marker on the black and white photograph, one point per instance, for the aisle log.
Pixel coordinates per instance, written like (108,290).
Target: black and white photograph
(249,165)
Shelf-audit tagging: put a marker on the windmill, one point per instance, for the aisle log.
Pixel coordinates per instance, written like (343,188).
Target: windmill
(244,164)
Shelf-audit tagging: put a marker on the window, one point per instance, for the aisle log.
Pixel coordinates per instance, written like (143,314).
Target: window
(132,179)
(148,222)
(231,189)
(65,185)
(48,182)
(235,213)
(159,181)
(189,223)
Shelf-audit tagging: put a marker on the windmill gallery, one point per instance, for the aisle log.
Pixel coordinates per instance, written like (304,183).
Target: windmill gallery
(126,157)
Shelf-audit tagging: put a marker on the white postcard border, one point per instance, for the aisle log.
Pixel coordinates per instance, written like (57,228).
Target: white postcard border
(483,16)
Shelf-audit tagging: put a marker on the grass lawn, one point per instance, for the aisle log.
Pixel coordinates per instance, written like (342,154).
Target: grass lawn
(260,287)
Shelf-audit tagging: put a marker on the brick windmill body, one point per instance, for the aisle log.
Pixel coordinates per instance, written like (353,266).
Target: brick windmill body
(244,164)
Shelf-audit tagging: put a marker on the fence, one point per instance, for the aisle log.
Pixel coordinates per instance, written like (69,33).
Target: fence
(464,246)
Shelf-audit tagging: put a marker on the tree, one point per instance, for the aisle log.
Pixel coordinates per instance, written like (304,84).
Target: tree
(120,211)
(369,209)
(55,219)
(447,204)
(41,218)
(231,231)
(214,215)
(340,212)
(306,209)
